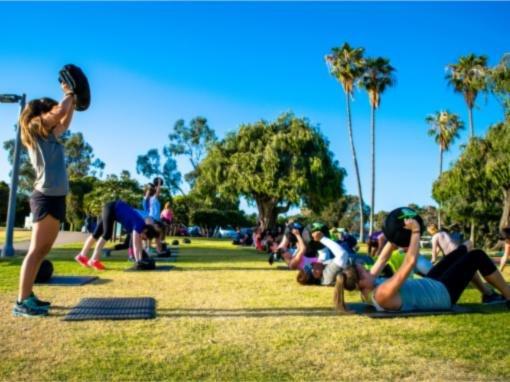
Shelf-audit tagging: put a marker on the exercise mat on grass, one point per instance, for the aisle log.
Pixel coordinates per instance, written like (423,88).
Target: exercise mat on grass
(125,308)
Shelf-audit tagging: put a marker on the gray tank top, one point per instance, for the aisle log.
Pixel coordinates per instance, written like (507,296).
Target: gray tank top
(48,160)
(422,294)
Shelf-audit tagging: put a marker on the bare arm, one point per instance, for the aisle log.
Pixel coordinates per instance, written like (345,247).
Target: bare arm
(505,257)
(59,118)
(435,249)
(383,258)
(301,249)
(387,295)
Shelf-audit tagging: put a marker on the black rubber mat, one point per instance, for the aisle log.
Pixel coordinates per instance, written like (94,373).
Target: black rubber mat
(369,311)
(159,268)
(69,280)
(125,308)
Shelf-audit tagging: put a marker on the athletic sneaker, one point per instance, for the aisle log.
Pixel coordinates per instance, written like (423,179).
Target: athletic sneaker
(96,264)
(83,260)
(494,298)
(40,303)
(28,308)
(270,260)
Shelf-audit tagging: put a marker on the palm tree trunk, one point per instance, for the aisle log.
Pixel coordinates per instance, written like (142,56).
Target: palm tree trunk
(471,125)
(440,173)
(356,168)
(372,195)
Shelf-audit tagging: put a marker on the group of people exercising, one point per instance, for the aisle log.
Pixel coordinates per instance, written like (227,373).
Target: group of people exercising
(397,278)
(42,122)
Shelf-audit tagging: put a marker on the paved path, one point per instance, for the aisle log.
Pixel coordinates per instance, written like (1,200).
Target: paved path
(64,237)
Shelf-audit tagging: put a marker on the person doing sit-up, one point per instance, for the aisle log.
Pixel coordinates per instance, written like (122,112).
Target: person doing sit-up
(132,222)
(438,290)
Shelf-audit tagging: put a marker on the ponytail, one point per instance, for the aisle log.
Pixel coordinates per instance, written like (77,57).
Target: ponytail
(30,121)
(338,296)
(347,279)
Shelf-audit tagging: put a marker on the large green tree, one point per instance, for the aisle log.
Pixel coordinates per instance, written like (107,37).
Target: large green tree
(497,166)
(465,192)
(346,64)
(276,165)
(378,75)
(468,77)
(444,127)
(191,141)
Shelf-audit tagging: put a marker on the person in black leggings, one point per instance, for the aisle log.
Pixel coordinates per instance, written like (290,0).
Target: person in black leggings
(132,222)
(439,289)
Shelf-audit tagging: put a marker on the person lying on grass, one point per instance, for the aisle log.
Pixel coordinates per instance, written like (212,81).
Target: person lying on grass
(439,290)
(132,222)
(296,257)
(324,272)
(423,267)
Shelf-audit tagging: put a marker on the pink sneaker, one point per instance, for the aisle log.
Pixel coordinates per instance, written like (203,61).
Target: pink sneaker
(96,264)
(82,260)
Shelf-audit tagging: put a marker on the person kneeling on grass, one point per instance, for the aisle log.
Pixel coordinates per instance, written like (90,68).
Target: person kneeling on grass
(439,290)
(132,222)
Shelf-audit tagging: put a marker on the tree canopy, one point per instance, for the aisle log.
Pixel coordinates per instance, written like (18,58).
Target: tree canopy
(276,165)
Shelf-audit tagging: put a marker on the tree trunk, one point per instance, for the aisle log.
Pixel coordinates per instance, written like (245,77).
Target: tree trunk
(440,173)
(471,125)
(356,168)
(472,234)
(505,216)
(372,194)
(268,214)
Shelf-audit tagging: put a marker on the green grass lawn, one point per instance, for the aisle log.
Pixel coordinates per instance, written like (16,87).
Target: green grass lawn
(19,235)
(225,314)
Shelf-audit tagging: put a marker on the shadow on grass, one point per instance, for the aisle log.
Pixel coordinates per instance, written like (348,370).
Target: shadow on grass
(206,269)
(255,312)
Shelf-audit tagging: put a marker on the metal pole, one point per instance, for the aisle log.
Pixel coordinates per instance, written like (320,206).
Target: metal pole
(11,211)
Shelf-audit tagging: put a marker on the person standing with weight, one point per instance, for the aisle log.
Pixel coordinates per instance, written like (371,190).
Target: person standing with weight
(42,122)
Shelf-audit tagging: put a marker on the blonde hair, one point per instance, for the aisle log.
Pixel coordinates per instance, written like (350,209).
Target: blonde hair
(432,228)
(167,205)
(347,279)
(32,126)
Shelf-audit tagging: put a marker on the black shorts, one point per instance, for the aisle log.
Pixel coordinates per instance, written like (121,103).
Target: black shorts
(42,205)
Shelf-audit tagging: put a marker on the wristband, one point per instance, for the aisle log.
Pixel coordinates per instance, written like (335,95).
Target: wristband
(416,231)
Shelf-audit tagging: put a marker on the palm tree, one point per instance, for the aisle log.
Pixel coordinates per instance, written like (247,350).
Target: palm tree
(346,65)
(468,77)
(444,127)
(377,77)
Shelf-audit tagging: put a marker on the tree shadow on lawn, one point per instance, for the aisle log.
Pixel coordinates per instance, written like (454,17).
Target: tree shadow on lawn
(301,312)
(250,312)
(226,268)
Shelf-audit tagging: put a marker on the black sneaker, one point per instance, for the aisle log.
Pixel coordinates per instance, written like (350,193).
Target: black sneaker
(27,308)
(40,303)
(270,260)
(494,298)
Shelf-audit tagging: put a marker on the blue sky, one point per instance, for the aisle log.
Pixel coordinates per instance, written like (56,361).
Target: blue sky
(150,64)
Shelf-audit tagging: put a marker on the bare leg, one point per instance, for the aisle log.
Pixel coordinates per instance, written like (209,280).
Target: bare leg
(497,281)
(44,233)
(99,247)
(480,285)
(87,245)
